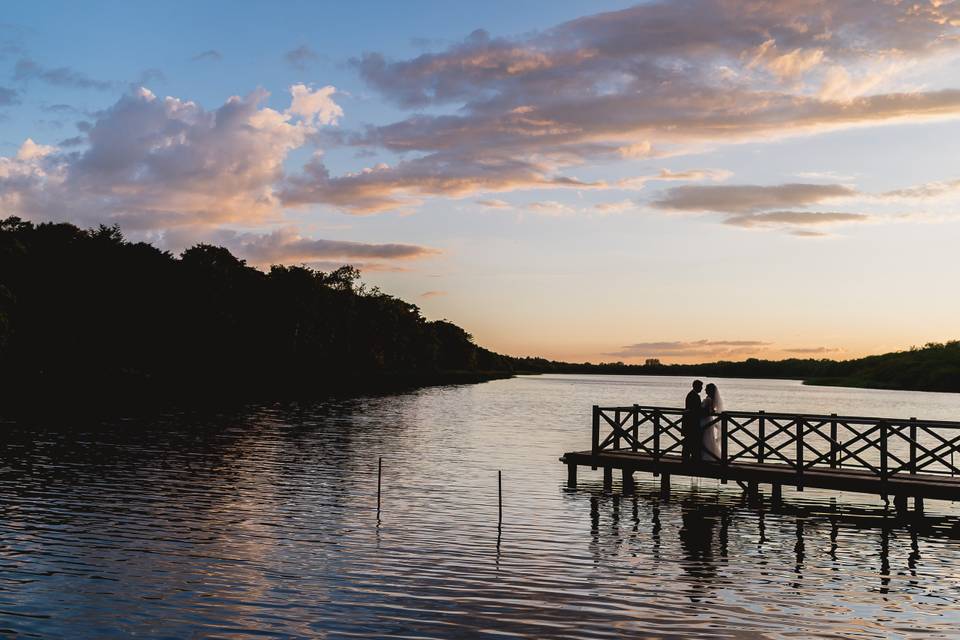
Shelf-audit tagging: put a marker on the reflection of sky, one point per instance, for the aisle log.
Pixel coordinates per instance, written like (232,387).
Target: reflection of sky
(564,279)
(265,521)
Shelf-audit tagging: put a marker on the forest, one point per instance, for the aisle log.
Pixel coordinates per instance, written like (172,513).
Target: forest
(87,314)
(933,367)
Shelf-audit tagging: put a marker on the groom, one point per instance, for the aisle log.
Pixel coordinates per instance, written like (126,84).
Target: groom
(690,427)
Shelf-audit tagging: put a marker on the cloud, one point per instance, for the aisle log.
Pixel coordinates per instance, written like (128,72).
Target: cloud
(315,106)
(27,69)
(384,187)
(706,349)
(666,175)
(286,245)
(432,294)
(791,218)
(813,350)
(747,198)
(300,57)
(151,163)
(607,208)
(924,191)
(8,97)
(657,78)
(550,208)
(210,54)
(494,204)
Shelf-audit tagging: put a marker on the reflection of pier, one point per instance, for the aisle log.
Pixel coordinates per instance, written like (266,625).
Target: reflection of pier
(903,458)
(715,527)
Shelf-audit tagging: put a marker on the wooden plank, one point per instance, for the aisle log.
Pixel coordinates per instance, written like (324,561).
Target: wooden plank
(853,480)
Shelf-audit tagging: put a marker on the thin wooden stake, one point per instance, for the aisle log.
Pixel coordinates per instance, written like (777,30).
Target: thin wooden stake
(379,477)
(499,497)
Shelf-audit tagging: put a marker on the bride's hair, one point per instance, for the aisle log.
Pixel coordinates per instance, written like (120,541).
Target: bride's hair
(714,394)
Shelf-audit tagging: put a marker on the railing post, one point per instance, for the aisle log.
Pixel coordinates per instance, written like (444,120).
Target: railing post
(799,424)
(883,451)
(616,432)
(636,427)
(596,432)
(723,447)
(656,436)
(913,445)
(723,439)
(761,437)
(834,447)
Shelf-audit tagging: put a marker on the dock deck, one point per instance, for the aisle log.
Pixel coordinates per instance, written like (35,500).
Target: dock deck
(902,458)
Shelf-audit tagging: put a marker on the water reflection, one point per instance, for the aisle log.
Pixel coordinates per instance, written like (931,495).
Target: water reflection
(696,536)
(263,521)
(704,534)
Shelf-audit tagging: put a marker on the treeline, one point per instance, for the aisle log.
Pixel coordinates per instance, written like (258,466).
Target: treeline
(87,311)
(933,367)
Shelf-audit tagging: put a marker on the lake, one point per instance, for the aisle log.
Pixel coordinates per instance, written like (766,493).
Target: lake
(261,521)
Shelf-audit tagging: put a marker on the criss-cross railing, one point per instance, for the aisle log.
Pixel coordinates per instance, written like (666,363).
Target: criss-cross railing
(885,447)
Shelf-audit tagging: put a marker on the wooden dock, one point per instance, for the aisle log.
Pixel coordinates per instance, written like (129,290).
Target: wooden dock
(884,456)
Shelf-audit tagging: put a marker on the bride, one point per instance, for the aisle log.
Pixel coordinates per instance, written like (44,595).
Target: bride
(711,407)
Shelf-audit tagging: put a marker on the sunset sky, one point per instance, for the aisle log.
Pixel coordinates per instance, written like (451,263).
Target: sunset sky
(691,180)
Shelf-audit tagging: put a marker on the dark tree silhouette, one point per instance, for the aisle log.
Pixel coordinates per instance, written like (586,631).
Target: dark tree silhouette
(88,312)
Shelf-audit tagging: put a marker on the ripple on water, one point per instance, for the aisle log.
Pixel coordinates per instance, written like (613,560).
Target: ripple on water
(262,522)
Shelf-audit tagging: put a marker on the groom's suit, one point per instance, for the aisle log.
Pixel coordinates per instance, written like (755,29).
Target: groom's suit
(691,427)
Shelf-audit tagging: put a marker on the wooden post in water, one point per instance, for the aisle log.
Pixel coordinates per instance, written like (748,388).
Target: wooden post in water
(571,475)
(499,498)
(777,493)
(607,478)
(379,477)
(628,484)
(900,504)
(664,485)
(918,505)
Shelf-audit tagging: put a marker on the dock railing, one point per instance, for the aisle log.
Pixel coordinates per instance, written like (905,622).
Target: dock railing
(883,447)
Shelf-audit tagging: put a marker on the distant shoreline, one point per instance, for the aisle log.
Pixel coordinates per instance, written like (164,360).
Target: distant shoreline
(850,383)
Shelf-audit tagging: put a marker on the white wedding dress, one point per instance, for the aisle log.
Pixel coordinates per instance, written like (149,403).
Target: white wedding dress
(710,424)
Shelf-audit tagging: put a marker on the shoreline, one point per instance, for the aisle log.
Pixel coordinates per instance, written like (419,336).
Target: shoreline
(132,396)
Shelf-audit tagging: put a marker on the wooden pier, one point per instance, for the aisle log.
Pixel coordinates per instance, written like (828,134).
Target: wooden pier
(884,456)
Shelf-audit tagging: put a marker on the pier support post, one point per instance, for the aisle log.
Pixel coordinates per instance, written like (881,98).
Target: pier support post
(752,488)
(900,504)
(628,484)
(607,478)
(664,485)
(777,493)
(571,475)
(918,505)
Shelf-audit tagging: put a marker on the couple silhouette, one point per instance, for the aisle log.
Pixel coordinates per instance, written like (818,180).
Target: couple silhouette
(701,437)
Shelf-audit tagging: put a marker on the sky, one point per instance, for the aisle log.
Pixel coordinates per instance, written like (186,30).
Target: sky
(587,181)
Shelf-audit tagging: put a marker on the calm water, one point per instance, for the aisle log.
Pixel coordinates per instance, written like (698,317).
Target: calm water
(262,522)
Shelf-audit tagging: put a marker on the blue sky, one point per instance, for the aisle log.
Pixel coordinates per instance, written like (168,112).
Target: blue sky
(581,180)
